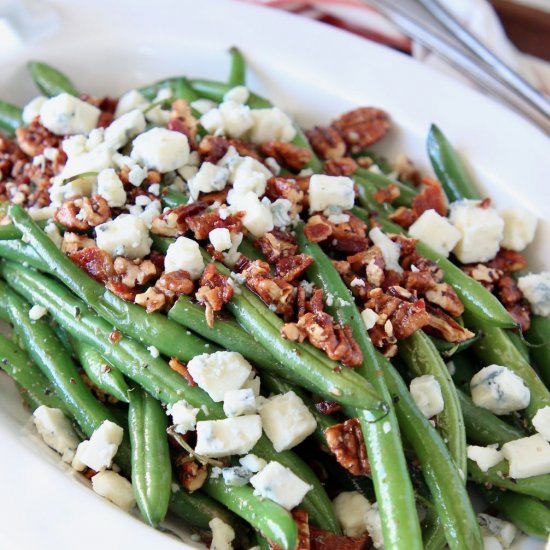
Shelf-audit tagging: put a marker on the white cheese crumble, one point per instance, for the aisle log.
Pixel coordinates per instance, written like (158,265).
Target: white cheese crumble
(239,402)
(502,530)
(114,488)
(426,392)
(325,191)
(161,149)
(286,420)
(230,436)
(528,456)
(350,508)
(37,312)
(185,254)
(499,390)
(129,101)
(184,416)
(390,251)
(32,108)
(481,230)
(271,124)
(208,179)
(222,535)
(520,227)
(126,235)
(246,174)
(110,188)
(436,231)
(541,422)
(220,239)
(57,431)
(374,526)
(53,233)
(280,484)
(65,114)
(98,452)
(258,218)
(253,463)
(124,128)
(485,457)
(536,289)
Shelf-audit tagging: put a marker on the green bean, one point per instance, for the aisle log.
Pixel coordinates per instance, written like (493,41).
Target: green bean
(266,516)
(11,117)
(449,168)
(538,336)
(23,253)
(48,353)
(496,348)
(531,516)
(476,299)
(421,357)
(172,199)
(377,159)
(399,517)
(450,497)
(519,343)
(448,349)
(151,329)
(465,367)
(18,365)
(151,468)
(103,375)
(382,181)
(50,81)
(237,74)
(152,373)
(183,90)
(483,427)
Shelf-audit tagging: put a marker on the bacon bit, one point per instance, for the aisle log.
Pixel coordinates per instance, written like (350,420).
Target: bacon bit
(216,196)
(445,327)
(73,242)
(326,142)
(431,197)
(301,518)
(175,283)
(485,203)
(191,474)
(322,540)
(404,217)
(245,149)
(406,317)
(328,407)
(115,336)
(387,194)
(276,244)
(345,441)
(286,188)
(121,290)
(95,262)
(34,138)
(446,298)
(153,176)
(521,313)
(180,368)
(362,127)
(348,237)
(202,224)
(291,268)
(151,300)
(317,229)
(212,148)
(174,222)
(214,293)
(286,154)
(344,166)
(134,272)
(508,261)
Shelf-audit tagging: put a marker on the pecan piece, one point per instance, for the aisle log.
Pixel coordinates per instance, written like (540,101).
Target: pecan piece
(81,213)
(276,244)
(175,283)
(152,300)
(34,138)
(180,368)
(215,291)
(191,474)
(362,127)
(72,242)
(291,267)
(322,540)
(443,295)
(328,407)
(134,272)
(345,441)
(317,229)
(445,327)
(344,166)
(387,194)
(431,197)
(326,142)
(404,217)
(286,154)
(286,188)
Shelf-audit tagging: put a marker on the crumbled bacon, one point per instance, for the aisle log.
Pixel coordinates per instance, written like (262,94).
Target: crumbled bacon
(291,268)
(212,148)
(115,336)
(432,196)
(286,188)
(348,237)
(180,368)
(521,313)
(286,154)
(95,262)
(387,194)
(121,290)
(317,229)
(203,223)
(345,441)
(323,540)
(182,120)
(276,244)
(508,290)
(215,291)
(344,166)
(174,222)
(404,217)
(362,127)
(326,142)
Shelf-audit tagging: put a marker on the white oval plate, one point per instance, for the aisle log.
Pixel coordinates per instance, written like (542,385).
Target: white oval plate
(313,71)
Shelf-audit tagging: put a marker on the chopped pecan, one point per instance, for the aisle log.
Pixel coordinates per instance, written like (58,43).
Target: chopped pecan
(419,281)
(121,290)
(508,261)
(483,274)
(406,170)
(191,474)
(432,196)
(445,327)
(291,267)
(345,441)
(286,188)
(508,290)
(174,222)
(134,272)
(215,291)
(286,154)
(317,229)
(275,292)
(81,213)
(301,518)
(387,194)
(212,148)
(182,120)
(344,166)
(245,149)
(276,244)
(404,216)
(323,540)
(175,283)
(521,313)
(152,300)
(373,261)
(95,262)
(362,127)
(180,368)
(34,138)
(72,242)
(443,295)
(326,142)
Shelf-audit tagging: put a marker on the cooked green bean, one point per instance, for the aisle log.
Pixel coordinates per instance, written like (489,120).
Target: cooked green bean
(50,81)
(237,73)
(538,336)
(11,117)
(382,181)
(23,253)
(151,468)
